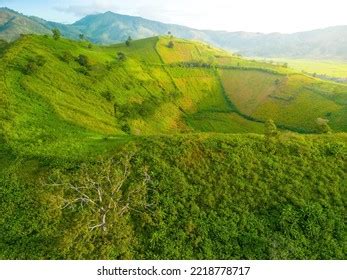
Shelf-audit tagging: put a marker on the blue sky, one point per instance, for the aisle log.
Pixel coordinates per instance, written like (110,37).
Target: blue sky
(232,15)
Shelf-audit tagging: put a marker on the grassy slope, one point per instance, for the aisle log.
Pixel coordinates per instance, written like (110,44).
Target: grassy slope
(261,91)
(50,114)
(58,110)
(330,68)
(261,197)
(294,101)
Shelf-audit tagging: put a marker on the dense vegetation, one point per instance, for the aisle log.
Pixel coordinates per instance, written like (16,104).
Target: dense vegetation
(205,197)
(152,150)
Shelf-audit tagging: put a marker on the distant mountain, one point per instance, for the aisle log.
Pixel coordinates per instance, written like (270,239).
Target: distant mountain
(328,43)
(108,28)
(13,24)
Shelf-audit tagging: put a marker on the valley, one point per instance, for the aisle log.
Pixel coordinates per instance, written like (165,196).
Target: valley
(166,148)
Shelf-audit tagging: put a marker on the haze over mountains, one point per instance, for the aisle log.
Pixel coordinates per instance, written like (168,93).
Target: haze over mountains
(108,28)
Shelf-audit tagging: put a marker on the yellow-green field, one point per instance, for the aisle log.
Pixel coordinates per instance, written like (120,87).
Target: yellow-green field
(154,89)
(337,69)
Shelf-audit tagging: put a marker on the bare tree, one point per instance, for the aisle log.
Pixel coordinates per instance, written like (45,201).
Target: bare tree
(105,192)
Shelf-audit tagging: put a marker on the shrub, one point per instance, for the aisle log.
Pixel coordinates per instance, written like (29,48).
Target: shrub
(34,64)
(56,34)
(121,56)
(67,57)
(323,126)
(107,95)
(83,60)
(270,129)
(83,70)
(30,68)
(126,128)
(171,45)
(128,41)
(40,60)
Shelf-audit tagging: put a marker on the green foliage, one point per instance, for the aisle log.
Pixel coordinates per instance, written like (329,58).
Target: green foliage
(34,64)
(3,46)
(107,95)
(158,203)
(67,57)
(40,60)
(83,60)
(270,129)
(125,127)
(323,126)
(29,218)
(197,196)
(171,44)
(128,41)
(56,34)
(30,68)
(121,56)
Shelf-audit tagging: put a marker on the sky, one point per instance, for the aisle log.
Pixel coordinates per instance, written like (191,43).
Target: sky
(285,16)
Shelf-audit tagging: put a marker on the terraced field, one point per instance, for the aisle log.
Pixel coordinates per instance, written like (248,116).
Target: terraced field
(170,140)
(291,100)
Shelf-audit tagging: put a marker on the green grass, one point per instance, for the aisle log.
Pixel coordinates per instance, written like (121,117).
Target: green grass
(293,101)
(226,122)
(330,68)
(60,108)
(180,130)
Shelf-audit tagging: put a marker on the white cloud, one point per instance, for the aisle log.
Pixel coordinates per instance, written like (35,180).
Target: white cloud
(92,8)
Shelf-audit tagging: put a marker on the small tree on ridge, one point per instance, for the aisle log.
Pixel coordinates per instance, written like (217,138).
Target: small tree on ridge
(56,34)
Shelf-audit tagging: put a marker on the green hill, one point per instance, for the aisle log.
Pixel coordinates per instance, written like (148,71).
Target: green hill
(109,27)
(50,96)
(14,24)
(192,197)
(171,136)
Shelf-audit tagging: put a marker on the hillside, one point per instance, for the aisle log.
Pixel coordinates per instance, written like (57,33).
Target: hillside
(13,24)
(170,136)
(107,28)
(192,197)
(54,92)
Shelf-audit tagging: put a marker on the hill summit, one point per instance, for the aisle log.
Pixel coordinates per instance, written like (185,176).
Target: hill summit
(109,27)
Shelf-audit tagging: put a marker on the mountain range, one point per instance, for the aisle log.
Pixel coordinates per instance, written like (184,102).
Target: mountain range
(109,28)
